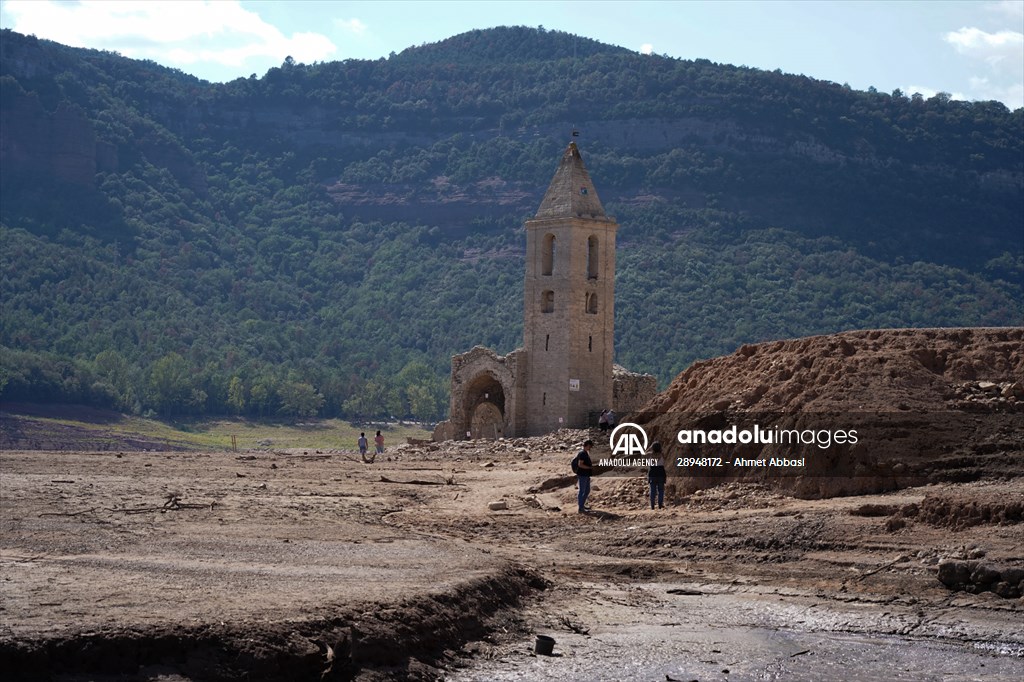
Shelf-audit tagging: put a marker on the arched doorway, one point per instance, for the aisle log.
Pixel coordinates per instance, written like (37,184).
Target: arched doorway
(486,421)
(485,407)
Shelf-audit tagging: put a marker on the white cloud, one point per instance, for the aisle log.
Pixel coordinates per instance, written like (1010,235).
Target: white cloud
(646,48)
(1000,55)
(1011,95)
(169,32)
(351,25)
(993,48)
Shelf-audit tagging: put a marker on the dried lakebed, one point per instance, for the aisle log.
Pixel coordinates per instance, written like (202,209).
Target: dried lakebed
(302,564)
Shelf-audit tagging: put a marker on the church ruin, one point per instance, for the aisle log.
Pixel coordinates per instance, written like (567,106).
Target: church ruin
(564,374)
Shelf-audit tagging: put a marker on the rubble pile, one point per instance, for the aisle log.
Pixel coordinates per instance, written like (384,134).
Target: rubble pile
(561,441)
(984,396)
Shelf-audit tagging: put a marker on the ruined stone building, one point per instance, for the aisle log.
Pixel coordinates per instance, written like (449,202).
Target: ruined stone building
(564,374)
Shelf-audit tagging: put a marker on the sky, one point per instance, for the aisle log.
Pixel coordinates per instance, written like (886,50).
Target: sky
(973,49)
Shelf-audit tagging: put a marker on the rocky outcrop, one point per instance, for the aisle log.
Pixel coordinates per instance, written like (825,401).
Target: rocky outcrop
(980,576)
(34,142)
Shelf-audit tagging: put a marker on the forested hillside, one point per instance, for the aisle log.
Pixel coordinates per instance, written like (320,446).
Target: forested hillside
(321,240)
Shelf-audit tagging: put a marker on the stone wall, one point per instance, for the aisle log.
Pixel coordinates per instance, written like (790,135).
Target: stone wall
(631,390)
(484,386)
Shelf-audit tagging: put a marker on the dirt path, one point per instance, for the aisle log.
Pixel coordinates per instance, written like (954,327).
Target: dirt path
(199,565)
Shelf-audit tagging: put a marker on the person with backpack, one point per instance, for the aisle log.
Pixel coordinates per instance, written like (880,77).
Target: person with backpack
(583,467)
(656,476)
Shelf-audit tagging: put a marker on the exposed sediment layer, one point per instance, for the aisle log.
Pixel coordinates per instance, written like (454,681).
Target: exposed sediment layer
(405,639)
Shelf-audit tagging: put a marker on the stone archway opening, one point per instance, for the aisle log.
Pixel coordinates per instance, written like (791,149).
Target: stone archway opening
(485,408)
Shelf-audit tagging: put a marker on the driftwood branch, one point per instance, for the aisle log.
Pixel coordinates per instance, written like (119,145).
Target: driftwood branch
(77,513)
(879,568)
(173,503)
(385,479)
(574,627)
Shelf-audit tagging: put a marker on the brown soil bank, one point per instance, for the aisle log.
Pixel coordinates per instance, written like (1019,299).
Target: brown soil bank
(405,639)
(927,405)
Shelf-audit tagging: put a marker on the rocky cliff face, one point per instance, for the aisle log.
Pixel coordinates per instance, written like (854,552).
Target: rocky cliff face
(34,142)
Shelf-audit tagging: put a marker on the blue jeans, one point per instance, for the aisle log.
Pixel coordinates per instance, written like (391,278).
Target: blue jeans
(584,484)
(658,490)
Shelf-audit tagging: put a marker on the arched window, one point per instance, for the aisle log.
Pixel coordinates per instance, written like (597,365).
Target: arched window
(547,302)
(592,304)
(548,256)
(592,257)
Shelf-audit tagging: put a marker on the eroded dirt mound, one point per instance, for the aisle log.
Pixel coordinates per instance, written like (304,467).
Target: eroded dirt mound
(890,369)
(928,405)
(963,511)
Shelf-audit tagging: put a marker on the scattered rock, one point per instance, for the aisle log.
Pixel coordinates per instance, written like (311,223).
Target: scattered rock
(976,577)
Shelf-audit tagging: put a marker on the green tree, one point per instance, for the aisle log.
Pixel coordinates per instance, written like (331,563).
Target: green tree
(170,385)
(420,390)
(299,399)
(236,395)
(424,403)
(260,396)
(368,401)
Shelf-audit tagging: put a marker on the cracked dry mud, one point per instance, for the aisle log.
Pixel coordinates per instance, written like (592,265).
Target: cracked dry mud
(292,565)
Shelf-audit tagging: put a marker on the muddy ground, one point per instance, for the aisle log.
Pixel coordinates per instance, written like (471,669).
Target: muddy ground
(310,565)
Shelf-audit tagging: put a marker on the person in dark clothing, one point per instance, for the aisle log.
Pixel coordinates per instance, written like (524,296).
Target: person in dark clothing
(584,468)
(656,476)
(363,445)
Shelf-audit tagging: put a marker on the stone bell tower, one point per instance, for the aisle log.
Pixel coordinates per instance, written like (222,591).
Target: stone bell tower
(563,375)
(569,305)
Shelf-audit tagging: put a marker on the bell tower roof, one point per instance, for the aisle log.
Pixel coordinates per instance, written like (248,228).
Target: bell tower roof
(571,193)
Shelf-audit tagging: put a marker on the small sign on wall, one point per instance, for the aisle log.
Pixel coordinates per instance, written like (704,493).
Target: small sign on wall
(574,384)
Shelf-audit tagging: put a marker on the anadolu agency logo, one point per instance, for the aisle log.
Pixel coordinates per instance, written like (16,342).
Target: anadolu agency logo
(628,439)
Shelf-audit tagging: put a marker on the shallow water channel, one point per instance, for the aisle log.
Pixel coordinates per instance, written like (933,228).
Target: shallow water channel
(652,635)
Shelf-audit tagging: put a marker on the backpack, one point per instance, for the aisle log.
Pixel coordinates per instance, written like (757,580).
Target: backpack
(575,464)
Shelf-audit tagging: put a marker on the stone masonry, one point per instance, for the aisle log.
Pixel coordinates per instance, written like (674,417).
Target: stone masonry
(564,375)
